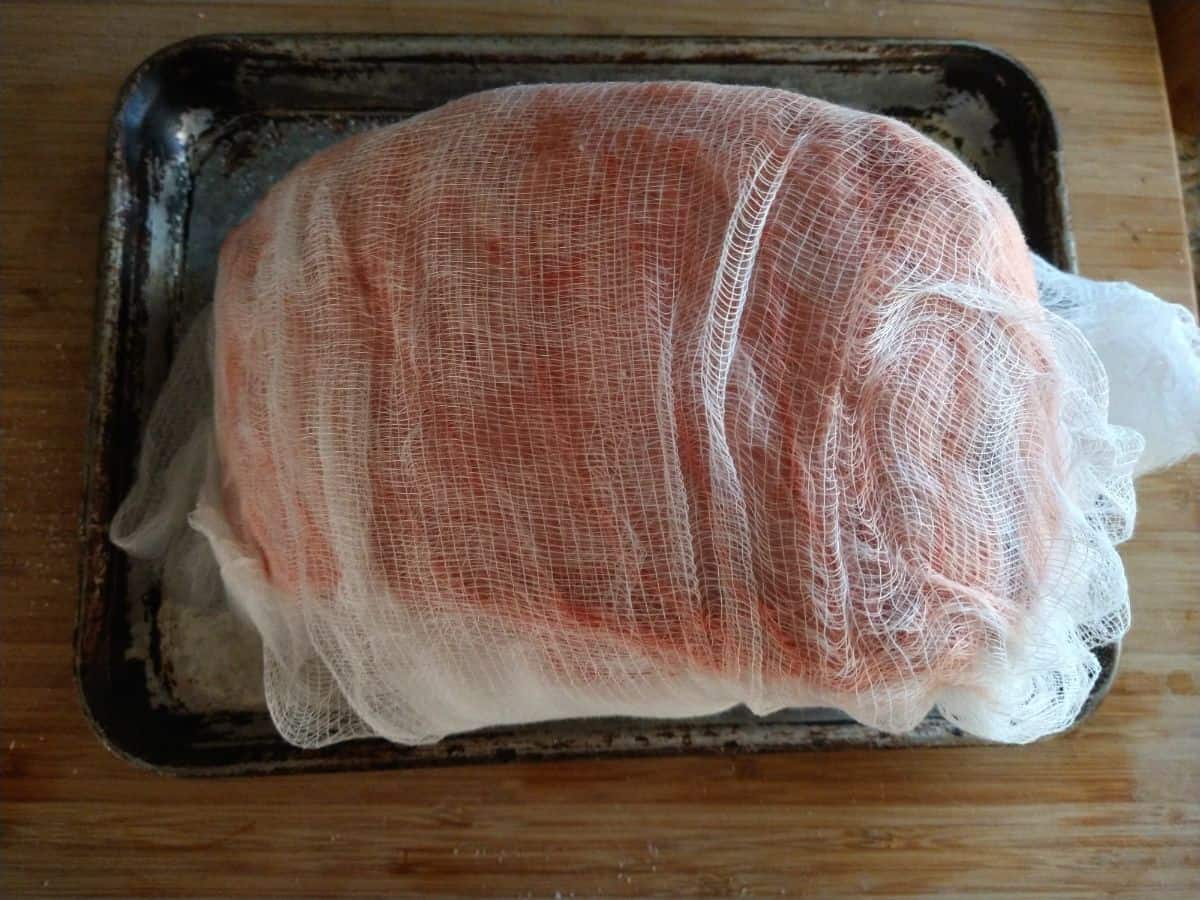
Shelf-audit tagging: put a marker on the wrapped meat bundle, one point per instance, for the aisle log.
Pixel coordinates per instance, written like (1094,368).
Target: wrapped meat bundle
(646,400)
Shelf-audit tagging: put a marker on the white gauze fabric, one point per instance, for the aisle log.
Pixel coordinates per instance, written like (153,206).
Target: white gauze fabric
(644,400)
(1150,350)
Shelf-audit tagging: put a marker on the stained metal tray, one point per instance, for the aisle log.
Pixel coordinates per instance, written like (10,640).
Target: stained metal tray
(204,127)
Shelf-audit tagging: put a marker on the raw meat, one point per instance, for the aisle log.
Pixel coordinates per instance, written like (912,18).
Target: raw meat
(652,399)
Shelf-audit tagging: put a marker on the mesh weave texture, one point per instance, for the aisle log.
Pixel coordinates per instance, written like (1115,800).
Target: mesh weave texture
(650,400)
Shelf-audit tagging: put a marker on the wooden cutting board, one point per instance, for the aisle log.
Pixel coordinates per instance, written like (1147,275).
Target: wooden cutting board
(1112,808)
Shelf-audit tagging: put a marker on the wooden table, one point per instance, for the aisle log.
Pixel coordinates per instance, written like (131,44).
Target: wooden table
(1113,808)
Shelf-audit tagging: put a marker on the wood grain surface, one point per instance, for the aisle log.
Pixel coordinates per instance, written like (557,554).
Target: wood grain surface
(1112,809)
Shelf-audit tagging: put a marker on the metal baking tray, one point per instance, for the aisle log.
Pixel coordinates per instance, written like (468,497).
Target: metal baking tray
(202,128)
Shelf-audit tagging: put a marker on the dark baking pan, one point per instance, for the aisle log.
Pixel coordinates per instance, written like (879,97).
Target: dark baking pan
(204,127)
